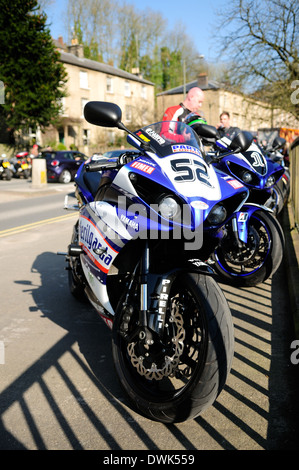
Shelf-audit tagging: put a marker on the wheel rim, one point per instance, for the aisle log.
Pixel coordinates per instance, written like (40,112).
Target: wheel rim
(66,177)
(170,366)
(252,257)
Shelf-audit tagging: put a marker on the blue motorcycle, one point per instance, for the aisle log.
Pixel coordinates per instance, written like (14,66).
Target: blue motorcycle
(280,191)
(147,222)
(263,172)
(251,243)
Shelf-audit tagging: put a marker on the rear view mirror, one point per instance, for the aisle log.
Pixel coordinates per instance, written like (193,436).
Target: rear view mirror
(101,113)
(205,131)
(241,142)
(278,143)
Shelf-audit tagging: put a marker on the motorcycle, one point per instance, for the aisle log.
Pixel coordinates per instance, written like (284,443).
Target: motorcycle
(137,254)
(280,191)
(256,170)
(5,169)
(252,243)
(22,165)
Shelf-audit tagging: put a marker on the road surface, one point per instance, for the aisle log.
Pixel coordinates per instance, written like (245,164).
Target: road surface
(58,388)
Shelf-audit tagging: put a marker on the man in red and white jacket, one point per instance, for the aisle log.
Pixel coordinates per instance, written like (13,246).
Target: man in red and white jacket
(191,104)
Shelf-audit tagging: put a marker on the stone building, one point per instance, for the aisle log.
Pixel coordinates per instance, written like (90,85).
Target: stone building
(245,113)
(89,80)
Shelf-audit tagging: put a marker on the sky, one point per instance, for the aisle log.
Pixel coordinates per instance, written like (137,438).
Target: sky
(199,17)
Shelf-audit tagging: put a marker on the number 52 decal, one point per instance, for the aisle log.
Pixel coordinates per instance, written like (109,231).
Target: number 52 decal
(190,170)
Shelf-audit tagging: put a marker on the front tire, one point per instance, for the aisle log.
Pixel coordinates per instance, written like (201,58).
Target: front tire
(260,257)
(183,372)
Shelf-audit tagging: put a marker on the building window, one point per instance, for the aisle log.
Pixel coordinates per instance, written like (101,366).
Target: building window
(143,92)
(111,137)
(86,134)
(128,113)
(62,111)
(109,85)
(127,88)
(83,103)
(83,79)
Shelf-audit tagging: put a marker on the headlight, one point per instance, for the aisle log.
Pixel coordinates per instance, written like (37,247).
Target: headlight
(217,215)
(270,181)
(246,177)
(168,207)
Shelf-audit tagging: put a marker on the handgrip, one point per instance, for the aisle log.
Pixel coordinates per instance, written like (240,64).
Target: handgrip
(101,165)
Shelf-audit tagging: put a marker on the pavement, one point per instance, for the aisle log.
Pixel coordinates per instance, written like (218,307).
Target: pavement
(291,260)
(60,396)
(12,192)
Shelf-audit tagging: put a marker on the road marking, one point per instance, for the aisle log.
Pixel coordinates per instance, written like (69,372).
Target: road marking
(23,228)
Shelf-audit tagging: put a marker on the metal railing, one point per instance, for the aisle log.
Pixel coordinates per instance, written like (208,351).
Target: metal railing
(294,192)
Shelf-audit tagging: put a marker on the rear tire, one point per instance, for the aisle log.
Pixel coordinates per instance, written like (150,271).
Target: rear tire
(7,174)
(65,177)
(198,317)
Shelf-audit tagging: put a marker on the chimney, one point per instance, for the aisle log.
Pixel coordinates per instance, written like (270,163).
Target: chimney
(76,49)
(202,80)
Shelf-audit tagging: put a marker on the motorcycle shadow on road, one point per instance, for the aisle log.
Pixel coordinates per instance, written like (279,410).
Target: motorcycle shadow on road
(254,410)
(88,341)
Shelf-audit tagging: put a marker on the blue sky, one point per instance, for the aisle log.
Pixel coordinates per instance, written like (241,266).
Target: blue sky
(199,17)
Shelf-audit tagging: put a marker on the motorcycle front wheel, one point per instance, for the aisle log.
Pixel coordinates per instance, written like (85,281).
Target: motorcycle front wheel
(183,371)
(258,259)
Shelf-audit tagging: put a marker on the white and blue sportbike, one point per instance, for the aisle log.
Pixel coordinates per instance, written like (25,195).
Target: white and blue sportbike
(252,243)
(147,223)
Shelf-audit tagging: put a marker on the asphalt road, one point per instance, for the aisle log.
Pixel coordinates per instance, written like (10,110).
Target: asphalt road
(58,388)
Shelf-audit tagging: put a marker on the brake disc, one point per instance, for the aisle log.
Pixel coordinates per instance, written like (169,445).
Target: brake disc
(249,250)
(170,362)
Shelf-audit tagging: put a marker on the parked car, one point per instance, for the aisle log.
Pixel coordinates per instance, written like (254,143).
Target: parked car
(62,165)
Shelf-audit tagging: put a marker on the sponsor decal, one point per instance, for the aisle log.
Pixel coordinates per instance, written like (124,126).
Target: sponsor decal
(199,205)
(129,222)
(142,136)
(243,217)
(142,167)
(236,184)
(155,136)
(185,148)
(95,245)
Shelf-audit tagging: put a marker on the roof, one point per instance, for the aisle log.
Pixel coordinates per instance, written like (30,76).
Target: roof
(179,90)
(68,58)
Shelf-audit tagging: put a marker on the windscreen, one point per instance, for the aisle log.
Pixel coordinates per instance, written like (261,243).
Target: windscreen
(169,137)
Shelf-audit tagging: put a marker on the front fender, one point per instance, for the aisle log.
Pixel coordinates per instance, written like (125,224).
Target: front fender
(243,218)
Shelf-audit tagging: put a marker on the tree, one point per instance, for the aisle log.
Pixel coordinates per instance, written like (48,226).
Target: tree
(33,77)
(133,39)
(262,37)
(94,24)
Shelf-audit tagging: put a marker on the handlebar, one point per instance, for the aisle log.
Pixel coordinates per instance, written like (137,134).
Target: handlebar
(102,165)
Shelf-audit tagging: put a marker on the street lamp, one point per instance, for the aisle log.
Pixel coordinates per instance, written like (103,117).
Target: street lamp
(200,57)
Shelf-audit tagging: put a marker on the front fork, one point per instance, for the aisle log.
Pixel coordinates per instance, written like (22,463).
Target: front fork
(240,221)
